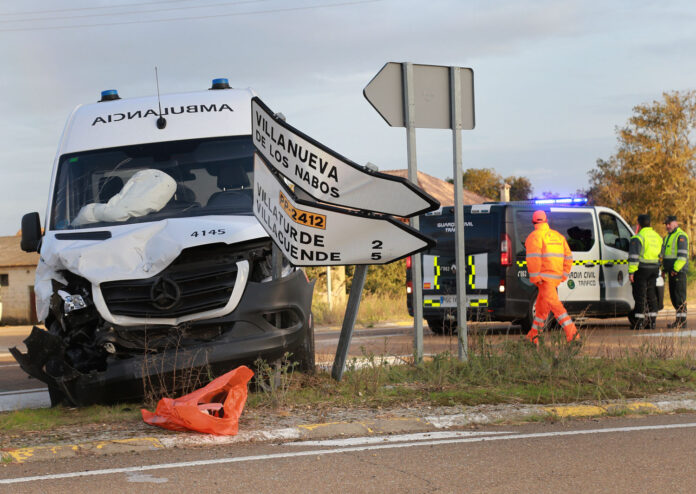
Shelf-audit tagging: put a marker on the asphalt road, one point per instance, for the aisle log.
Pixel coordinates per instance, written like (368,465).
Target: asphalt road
(633,455)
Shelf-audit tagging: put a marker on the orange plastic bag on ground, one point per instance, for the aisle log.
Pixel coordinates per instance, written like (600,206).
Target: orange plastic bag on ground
(213,409)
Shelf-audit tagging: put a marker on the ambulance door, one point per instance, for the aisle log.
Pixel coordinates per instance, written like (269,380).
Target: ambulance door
(579,227)
(616,236)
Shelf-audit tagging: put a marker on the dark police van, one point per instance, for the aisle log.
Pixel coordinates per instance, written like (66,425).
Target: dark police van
(497,283)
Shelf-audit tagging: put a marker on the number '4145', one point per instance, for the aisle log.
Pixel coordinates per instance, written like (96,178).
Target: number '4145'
(203,233)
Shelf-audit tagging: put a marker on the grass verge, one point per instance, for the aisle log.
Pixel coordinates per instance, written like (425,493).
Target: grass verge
(511,371)
(373,309)
(45,419)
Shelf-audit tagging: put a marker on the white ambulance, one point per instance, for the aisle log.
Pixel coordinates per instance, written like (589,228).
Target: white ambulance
(152,262)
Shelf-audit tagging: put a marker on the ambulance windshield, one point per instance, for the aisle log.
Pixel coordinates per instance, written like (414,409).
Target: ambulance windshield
(153,181)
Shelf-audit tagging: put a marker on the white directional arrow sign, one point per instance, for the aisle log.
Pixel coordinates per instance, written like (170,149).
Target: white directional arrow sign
(329,177)
(431,96)
(312,235)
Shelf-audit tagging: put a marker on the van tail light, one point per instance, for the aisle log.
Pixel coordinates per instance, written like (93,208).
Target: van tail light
(409,287)
(505,250)
(501,286)
(408,262)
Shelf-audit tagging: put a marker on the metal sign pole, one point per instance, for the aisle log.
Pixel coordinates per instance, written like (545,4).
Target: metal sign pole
(348,322)
(416,259)
(455,99)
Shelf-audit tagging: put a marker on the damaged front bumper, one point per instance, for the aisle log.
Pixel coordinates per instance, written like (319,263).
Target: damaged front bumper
(271,318)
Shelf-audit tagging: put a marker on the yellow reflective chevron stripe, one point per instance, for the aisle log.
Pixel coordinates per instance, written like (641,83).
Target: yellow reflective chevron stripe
(437,302)
(472,271)
(582,262)
(436,267)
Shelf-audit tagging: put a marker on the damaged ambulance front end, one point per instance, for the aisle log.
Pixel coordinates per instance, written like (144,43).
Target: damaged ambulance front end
(154,273)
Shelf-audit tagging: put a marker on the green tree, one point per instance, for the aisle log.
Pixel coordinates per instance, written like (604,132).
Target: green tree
(520,188)
(483,181)
(653,170)
(487,182)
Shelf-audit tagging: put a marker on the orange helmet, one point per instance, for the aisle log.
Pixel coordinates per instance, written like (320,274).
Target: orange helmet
(539,217)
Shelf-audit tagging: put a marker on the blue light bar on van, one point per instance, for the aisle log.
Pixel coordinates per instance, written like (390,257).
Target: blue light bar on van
(562,200)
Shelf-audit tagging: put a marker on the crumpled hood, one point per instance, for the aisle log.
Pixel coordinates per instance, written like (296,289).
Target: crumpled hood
(134,251)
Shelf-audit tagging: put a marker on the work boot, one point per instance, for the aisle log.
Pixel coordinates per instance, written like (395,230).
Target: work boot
(677,324)
(639,324)
(571,333)
(533,336)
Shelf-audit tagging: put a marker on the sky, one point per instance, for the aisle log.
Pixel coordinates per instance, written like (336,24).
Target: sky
(553,79)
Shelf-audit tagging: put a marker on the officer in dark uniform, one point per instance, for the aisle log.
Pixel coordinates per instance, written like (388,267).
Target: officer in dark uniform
(675,265)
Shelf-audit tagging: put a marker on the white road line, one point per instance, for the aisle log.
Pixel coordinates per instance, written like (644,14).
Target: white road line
(9,365)
(421,436)
(315,452)
(23,391)
(22,400)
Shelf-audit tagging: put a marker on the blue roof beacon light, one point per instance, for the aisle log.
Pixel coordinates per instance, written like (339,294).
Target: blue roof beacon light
(576,201)
(221,83)
(109,95)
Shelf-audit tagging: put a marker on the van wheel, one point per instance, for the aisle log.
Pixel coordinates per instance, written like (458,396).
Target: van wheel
(437,326)
(527,321)
(441,326)
(305,352)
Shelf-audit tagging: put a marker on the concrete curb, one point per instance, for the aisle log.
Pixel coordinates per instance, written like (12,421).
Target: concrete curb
(377,426)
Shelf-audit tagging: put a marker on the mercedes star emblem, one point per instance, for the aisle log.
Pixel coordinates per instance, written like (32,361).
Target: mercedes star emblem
(165,293)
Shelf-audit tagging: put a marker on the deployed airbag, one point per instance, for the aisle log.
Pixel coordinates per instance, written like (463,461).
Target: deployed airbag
(147,191)
(213,409)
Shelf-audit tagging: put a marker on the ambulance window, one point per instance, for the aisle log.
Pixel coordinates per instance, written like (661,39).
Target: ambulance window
(614,232)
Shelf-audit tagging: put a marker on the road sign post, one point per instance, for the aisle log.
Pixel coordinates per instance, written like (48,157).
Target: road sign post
(430,96)
(339,364)
(460,255)
(416,260)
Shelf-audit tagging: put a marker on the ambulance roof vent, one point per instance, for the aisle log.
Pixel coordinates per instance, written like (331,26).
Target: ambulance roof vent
(221,83)
(109,95)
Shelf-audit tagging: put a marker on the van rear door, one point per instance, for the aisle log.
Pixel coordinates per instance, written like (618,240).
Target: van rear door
(482,229)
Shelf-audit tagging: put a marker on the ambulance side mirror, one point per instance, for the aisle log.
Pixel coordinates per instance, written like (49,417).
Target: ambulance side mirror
(31,232)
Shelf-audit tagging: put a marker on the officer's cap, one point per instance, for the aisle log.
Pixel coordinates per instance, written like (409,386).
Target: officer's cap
(670,219)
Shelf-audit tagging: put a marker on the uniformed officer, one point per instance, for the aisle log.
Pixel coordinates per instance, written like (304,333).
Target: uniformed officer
(643,269)
(675,265)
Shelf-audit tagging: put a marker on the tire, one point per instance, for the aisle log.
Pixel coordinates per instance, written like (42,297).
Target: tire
(441,326)
(527,321)
(437,326)
(305,352)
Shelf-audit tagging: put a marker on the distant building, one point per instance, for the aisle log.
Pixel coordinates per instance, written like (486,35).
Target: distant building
(441,190)
(17,270)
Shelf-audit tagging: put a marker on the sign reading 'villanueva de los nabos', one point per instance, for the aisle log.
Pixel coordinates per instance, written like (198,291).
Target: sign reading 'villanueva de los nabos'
(325,233)
(329,177)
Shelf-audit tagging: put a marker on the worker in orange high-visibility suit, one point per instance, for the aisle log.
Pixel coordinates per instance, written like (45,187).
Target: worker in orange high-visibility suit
(549,261)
